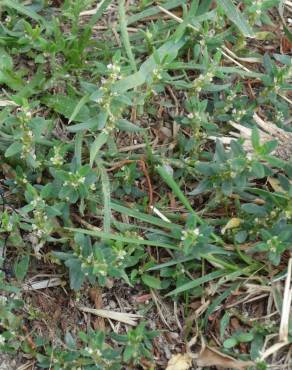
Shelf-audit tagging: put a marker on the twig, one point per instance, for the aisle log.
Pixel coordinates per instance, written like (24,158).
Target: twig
(126,318)
(274,348)
(43,284)
(284,325)
(159,214)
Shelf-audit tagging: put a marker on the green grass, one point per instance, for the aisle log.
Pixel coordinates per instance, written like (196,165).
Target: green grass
(112,176)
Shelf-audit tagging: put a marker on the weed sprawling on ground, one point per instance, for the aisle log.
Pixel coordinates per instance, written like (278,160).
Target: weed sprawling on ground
(146,206)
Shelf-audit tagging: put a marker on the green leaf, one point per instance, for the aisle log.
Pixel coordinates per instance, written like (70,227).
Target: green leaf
(66,106)
(21,267)
(130,82)
(139,78)
(13,149)
(90,124)
(244,337)
(256,346)
(227,187)
(230,342)
(78,107)
(125,125)
(288,33)
(236,17)
(258,170)
(5,60)
(96,145)
(76,275)
(224,322)
(128,353)
(69,340)
(255,138)
(151,281)
(254,209)
(23,10)
(195,283)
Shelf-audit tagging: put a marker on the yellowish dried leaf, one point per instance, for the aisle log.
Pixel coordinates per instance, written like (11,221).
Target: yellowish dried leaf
(179,362)
(275,184)
(231,224)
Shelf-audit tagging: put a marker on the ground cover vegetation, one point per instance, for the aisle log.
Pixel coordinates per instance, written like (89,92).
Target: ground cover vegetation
(146,196)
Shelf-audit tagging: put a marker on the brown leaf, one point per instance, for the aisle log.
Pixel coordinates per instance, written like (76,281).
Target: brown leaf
(96,297)
(212,357)
(179,362)
(286,45)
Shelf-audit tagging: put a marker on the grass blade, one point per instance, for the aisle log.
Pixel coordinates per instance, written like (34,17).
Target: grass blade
(105,185)
(193,284)
(110,236)
(125,36)
(144,217)
(175,188)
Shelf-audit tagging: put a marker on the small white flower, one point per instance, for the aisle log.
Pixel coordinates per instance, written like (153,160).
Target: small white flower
(81,180)
(197,231)
(3,299)
(184,235)
(89,350)
(9,226)
(149,34)
(121,254)
(39,233)
(190,115)
(92,187)
(28,114)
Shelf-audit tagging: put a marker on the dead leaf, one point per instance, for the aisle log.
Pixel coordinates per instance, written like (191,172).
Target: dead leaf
(212,357)
(179,362)
(96,297)
(231,224)
(275,184)
(286,45)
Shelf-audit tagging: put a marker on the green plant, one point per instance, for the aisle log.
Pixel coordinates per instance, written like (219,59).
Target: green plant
(117,171)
